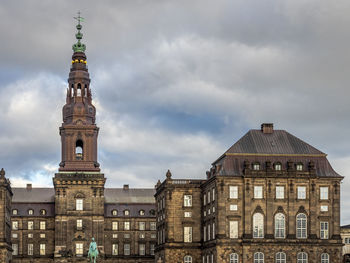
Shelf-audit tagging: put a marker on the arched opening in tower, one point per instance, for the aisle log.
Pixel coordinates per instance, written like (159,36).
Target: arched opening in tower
(79,90)
(79,146)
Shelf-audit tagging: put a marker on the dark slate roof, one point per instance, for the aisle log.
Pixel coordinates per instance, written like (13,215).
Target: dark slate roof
(131,195)
(345,227)
(34,195)
(277,142)
(112,195)
(133,208)
(22,209)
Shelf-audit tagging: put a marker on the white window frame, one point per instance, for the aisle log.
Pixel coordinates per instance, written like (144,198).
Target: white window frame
(187,200)
(258,225)
(15,249)
(324,230)
(127,225)
(127,249)
(213,194)
(187,234)
(187,214)
(213,230)
(233,190)
(153,226)
(324,258)
(302,257)
(278,167)
(301,192)
(301,226)
(259,257)
(280,225)
(188,259)
(233,229)
(79,223)
(258,192)
(79,204)
(142,226)
(42,225)
(30,225)
(299,167)
(142,249)
(279,192)
(324,208)
(115,250)
(42,249)
(256,166)
(151,249)
(324,190)
(115,225)
(281,257)
(79,249)
(14,225)
(30,250)
(234,258)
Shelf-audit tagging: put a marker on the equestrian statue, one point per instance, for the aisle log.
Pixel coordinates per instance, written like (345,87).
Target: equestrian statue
(93,251)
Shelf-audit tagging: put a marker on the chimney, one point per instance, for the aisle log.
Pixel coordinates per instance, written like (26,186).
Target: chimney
(126,187)
(29,187)
(267,128)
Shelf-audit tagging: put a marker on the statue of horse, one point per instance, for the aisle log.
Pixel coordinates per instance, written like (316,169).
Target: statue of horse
(93,251)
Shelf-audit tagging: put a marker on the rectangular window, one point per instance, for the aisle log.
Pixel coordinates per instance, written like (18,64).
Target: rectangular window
(213,230)
(152,225)
(187,200)
(114,249)
(188,214)
(79,224)
(151,249)
(127,249)
(233,207)
(205,233)
(142,249)
(79,204)
(126,235)
(14,235)
(15,249)
(324,230)
(79,249)
(204,199)
(30,249)
(42,249)
(324,193)
(301,192)
(258,192)
(153,235)
(324,208)
(299,167)
(127,225)
(42,225)
(208,230)
(30,235)
(233,192)
(187,234)
(115,236)
(142,226)
(14,225)
(213,193)
(115,225)
(233,229)
(30,225)
(142,235)
(279,192)
(42,235)
(208,195)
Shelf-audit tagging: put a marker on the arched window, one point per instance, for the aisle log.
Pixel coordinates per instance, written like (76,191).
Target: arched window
(85,91)
(30,212)
(72,90)
(258,257)
(280,257)
(79,146)
(256,166)
(301,226)
(278,166)
(302,257)
(42,212)
(142,212)
(114,212)
(324,258)
(79,90)
(234,258)
(258,225)
(279,225)
(187,259)
(126,212)
(15,212)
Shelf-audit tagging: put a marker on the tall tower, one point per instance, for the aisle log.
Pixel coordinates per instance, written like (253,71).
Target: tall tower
(79,131)
(79,185)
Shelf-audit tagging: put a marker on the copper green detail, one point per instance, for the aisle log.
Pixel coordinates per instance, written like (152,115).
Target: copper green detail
(79,47)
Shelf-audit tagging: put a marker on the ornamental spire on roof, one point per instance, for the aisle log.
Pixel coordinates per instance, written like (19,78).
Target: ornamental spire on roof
(79,47)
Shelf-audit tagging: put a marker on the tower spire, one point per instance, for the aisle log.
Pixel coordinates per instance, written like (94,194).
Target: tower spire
(79,47)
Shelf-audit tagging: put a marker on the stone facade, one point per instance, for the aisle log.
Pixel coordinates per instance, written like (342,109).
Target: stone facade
(258,204)
(345,235)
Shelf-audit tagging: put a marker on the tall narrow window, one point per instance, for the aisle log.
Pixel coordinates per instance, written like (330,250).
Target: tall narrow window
(30,249)
(114,249)
(79,249)
(79,90)
(278,167)
(114,225)
(127,225)
(302,257)
(187,200)
(324,193)
(233,229)
(279,225)
(213,193)
(127,249)
(79,150)
(258,192)
(233,192)
(187,234)
(301,192)
(324,230)
(42,249)
(142,226)
(15,249)
(79,224)
(234,258)
(301,226)
(213,230)
(280,257)
(324,258)
(14,225)
(258,225)
(42,225)
(142,249)
(79,204)
(279,192)
(151,249)
(258,257)
(30,225)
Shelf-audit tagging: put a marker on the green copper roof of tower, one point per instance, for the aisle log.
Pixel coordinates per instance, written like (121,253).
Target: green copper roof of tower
(79,47)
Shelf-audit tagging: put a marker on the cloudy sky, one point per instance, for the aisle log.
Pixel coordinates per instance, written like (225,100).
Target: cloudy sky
(175,83)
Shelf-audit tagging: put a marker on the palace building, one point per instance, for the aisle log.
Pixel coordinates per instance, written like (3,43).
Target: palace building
(271,197)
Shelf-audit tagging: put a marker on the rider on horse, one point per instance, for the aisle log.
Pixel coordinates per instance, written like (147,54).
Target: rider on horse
(93,251)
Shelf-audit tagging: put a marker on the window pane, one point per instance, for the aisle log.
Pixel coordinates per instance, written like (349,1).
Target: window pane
(258,225)
(301,226)
(187,234)
(115,249)
(279,192)
(279,225)
(233,192)
(324,193)
(233,229)
(188,200)
(301,192)
(258,192)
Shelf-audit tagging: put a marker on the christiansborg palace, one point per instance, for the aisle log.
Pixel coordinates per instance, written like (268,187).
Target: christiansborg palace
(271,197)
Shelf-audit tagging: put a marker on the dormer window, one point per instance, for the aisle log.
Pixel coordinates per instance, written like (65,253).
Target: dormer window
(256,166)
(15,212)
(299,167)
(142,212)
(42,212)
(126,212)
(114,212)
(278,167)
(30,212)
(79,150)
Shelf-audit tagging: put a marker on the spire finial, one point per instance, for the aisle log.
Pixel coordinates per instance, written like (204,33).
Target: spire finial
(79,47)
